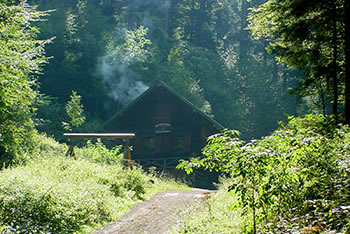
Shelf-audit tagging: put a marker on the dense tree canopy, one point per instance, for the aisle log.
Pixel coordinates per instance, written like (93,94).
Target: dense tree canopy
(307,35)
(111,51)
(21,56)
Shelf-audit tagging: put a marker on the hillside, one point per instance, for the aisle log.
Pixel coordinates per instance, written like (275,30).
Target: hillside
(53,193)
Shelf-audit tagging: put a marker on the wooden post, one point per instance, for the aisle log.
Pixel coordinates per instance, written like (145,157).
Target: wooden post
(70,151)
(127,154)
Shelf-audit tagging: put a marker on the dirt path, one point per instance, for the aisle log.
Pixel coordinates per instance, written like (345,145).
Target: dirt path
(158,214)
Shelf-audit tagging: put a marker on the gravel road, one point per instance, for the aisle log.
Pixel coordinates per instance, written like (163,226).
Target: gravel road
(159,214)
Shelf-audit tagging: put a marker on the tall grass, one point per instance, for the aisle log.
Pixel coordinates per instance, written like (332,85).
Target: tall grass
(53,193)
(218,215)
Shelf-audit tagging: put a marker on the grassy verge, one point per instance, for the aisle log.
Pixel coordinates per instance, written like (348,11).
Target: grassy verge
(218,215)
(52,193)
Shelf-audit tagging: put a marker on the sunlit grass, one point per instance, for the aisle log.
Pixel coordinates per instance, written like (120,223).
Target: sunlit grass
(216,215)
(53,193)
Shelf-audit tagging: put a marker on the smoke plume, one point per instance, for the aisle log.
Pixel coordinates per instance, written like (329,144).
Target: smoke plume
(120,81)
(128,48)
(115,67)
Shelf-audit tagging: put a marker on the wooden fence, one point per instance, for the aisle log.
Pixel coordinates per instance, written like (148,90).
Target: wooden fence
(160,163)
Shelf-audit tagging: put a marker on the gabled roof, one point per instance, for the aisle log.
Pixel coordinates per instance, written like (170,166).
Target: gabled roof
(170,90)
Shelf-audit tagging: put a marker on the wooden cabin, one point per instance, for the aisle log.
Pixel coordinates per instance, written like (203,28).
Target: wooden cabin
(166,125)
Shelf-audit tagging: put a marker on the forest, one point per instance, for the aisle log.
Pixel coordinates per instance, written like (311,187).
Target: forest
(275,71)
(109,52)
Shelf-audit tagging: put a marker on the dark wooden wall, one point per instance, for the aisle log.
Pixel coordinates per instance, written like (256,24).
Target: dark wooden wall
(187,133)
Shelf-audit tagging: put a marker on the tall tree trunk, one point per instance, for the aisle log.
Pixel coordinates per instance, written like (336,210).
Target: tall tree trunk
(128,15)
(323,101)
(335,55)
(171,17)
(284,82)
(201,36)
(243,40)
(218,25)
(243,34)
(192,21)
(347,61)
(275,70)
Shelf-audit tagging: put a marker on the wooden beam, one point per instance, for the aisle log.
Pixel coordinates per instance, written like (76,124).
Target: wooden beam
(100,135)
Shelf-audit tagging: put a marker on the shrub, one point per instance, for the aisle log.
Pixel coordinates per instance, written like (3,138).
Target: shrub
(97,152)
(59,194)
(43,147)
(297,177)
(48,192)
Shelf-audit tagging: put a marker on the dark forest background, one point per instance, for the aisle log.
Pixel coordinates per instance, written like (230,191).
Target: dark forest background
(110,51)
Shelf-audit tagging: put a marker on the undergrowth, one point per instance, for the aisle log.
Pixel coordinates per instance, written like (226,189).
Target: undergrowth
(295,180)
(48,192)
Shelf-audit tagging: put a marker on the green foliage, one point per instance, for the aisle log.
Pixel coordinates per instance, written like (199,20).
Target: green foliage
(132,47)
(309,36)
(217,215)
(80,37)
(43,147)
(48,118)
(199,48)
(21,56)
(63,195)
(296,177)
(135,45)
(181,79)
(74,110)
(56,194)
(98,153)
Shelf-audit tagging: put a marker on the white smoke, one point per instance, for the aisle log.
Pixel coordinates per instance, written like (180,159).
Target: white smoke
(115,66)
(120,81)
(127,48)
